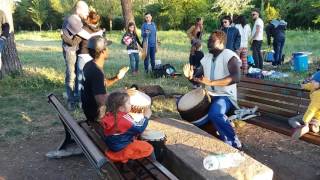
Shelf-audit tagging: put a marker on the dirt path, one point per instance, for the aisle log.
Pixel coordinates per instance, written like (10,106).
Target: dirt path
(289,159)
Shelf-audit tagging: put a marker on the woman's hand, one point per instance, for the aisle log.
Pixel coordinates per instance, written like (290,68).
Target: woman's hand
(188,71)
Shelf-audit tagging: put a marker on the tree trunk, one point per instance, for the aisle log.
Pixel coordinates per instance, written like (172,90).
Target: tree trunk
(127,11)
(10,60)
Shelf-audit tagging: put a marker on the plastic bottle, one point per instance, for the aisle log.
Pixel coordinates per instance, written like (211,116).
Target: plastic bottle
(222,161)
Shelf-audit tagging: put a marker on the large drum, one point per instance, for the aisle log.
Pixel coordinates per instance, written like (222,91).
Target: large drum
(194,106)
(158,140)
(139,102)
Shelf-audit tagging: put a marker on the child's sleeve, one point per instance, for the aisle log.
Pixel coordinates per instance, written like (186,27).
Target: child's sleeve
(139,127)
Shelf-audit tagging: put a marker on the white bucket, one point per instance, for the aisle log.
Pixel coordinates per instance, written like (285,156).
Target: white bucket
(158,62)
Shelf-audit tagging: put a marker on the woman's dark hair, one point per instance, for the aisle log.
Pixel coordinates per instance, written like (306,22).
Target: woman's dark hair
(132,24)
(225,18)
(241,20)
(114,101)
(147,13)
(220,35)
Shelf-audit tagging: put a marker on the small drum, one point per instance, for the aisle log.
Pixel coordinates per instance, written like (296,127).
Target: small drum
(139,101)
(158,140)
(194,106)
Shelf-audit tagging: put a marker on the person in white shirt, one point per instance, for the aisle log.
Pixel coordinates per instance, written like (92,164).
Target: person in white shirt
(257,38)
(245,32)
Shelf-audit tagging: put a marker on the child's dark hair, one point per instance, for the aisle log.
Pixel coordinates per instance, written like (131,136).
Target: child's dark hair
(195,46)
(132,24)
(114,102)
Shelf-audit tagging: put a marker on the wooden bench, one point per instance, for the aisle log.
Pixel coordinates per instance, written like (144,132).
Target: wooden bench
(277,102)
(93,147)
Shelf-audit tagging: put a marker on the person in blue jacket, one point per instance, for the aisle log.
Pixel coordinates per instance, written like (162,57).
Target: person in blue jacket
(276,30)
(233,35)
(149,35)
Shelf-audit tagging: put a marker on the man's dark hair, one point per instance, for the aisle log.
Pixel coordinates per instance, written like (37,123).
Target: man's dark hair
(147,13)
(227,18)
(256,10)
(241,20)
(198,19)
(94,54)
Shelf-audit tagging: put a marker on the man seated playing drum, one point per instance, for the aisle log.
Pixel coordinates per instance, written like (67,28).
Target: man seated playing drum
(220,71)
(94,93)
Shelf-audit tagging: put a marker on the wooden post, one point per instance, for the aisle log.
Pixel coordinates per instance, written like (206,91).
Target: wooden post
(10,59)
(127,11)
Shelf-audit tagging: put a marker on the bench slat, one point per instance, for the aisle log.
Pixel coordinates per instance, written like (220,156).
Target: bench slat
(267,108)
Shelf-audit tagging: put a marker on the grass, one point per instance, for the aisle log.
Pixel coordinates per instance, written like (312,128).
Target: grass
(24,110)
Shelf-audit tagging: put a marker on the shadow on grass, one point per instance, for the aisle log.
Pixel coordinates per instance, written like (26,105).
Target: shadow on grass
(23,108)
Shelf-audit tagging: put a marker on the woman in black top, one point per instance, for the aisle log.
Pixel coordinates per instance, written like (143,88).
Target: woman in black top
(131,40)
(195,57)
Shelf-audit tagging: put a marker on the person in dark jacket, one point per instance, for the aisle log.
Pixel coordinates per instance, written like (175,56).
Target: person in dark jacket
(276,30)
(131,40)
(233,35)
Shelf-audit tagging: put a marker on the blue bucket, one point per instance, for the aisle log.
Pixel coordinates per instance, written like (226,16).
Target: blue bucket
(300,61)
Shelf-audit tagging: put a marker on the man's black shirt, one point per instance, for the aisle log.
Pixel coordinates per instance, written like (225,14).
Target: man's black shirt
(93,85)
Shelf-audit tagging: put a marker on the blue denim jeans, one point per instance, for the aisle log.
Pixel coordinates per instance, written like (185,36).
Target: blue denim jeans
(1,48)
(151,54)
(134,62)
(278,47)
(217,116)
(70,58)
(82,60)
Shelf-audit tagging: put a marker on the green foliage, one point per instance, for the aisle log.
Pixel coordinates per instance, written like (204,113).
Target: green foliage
(62,6)
(231,7)
(38,11)
(317,5)
(271,13)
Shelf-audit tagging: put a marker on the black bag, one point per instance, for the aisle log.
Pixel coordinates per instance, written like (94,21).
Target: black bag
(166,70)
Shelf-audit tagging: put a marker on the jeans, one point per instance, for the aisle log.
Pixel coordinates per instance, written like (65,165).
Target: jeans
(70,58)
(256,51)
(82,60)
(217,116)
(278,47)
(134,62)
(1,48)
(151,53)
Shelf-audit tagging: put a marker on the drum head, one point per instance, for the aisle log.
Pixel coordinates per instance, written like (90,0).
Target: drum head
(191,99)
(140,99)
(152,135)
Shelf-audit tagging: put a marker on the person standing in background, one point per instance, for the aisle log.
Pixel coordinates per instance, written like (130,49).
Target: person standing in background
(276,30)
(4,32)
(233,35)
(257,38)
(149,35)
(245,32)
(72,27)
(196,31)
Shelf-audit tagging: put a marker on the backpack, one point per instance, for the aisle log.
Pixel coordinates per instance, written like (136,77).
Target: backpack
(166,70)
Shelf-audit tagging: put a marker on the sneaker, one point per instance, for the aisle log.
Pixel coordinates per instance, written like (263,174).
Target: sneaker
(71,106)
(300,131)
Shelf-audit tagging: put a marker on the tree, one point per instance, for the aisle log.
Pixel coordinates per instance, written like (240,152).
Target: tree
(10,59)
(317,5)
(39,11)
(271,13)
(231,7)
(127,11)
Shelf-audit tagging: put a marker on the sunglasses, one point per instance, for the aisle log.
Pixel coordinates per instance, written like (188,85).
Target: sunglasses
(224,22)
(253,14)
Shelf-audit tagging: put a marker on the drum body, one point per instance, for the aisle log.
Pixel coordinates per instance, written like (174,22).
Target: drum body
(158,140)
(139,102)
(194,107)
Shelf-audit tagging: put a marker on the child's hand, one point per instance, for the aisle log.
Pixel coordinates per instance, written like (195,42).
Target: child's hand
(315,84)
(147,112)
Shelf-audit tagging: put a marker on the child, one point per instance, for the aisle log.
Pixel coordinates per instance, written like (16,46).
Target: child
(131,40)
(312,115)
(121,131)
(195,57)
